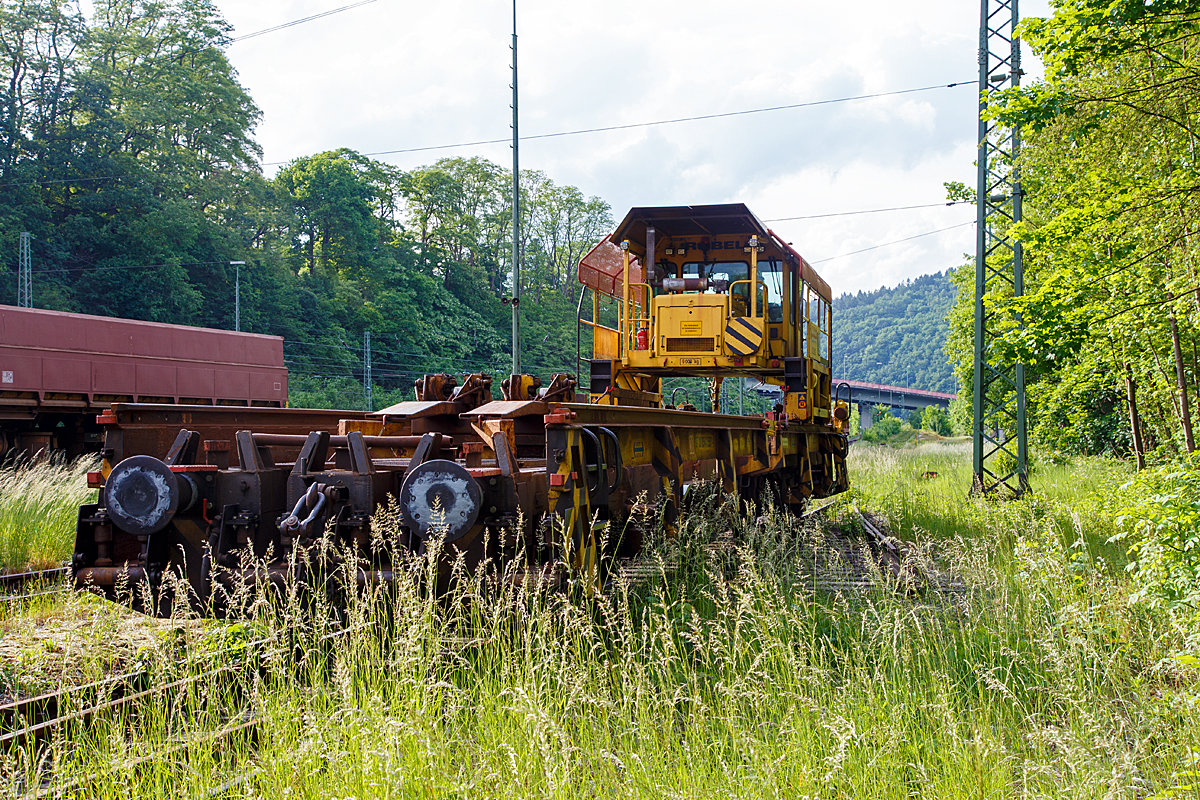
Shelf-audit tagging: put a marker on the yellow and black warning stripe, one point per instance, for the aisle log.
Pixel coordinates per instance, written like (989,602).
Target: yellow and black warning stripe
(741,337)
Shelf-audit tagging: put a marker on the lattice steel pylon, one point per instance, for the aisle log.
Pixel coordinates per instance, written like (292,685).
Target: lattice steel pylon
(25,274)
(999,397)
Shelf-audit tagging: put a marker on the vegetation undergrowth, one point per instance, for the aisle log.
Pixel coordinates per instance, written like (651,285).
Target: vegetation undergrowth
(733,674)
(39,504)
(924,493)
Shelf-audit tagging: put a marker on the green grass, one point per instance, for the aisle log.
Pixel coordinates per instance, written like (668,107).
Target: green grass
(731,677)
(39,504)
(924,491)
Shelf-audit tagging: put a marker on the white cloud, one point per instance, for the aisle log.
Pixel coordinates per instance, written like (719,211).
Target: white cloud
(392,75)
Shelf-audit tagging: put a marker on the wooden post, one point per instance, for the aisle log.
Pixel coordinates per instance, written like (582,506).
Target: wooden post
(1185,411)
(1135,424)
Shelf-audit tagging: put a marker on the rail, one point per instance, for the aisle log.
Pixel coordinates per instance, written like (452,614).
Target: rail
(14,581)
(46,716)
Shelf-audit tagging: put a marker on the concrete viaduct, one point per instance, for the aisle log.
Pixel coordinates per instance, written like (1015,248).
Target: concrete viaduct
(901,398)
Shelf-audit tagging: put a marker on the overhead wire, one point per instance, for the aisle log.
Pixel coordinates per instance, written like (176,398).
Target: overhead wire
(280,256)
(870,211)
(295,22)
(896,241)
(266,256)
(631,125)
(556,134)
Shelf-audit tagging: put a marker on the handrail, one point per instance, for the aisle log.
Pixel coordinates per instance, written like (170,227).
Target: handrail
(617,456)
(762,309)
(579,335)
(837,393)
(628,340)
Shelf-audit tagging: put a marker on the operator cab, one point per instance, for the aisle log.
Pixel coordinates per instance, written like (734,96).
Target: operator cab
(707,291)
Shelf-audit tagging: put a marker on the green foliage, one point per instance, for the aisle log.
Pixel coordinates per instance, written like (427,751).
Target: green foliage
(885,427)
(1111,188)
(935,419)
(1162,532)
(959,192)
(895,336)
(39,505)
(126,148)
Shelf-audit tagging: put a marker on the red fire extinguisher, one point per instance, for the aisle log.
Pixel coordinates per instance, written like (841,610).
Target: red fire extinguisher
(643,339)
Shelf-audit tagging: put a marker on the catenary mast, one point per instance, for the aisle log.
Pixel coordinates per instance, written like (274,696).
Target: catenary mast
(999,388)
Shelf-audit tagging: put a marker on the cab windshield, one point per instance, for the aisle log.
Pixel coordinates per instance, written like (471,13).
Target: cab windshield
(769,272)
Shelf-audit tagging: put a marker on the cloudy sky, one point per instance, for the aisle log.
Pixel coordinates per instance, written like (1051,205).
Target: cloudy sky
(397,74)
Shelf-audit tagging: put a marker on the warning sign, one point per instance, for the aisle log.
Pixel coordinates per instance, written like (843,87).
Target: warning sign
(6,376)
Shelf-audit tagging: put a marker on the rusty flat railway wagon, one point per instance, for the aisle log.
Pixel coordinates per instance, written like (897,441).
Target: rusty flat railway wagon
(533,480)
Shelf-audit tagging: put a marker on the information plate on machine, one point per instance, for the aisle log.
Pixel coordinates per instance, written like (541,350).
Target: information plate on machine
(690,329)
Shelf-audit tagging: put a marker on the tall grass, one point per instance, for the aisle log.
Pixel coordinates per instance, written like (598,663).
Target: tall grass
(731,676)
(924,492)
(39,504)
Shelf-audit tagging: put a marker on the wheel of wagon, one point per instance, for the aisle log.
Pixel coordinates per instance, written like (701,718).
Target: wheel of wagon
(141,495)
(440,497)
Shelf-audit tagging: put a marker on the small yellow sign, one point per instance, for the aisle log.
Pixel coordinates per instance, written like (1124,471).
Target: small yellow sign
(690,329)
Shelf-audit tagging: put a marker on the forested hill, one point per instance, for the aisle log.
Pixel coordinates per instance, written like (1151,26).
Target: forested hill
(879,335)
(127,151)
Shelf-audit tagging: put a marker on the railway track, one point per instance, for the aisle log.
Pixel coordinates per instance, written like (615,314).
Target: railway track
(45,723)
(888,550)
(837,567)
(43,582)
(42,726)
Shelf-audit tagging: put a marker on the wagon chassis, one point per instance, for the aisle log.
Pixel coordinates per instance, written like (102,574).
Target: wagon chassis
(535,477)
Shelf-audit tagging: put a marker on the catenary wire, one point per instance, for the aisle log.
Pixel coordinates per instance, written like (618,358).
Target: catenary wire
(577,132)
(630,125)
(870,211)
(265,256)
(897,241)
(296,22)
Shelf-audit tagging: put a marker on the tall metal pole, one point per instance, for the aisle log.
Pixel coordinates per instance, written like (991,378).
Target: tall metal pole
(367,370)
(999,385)
(25,274)
(237,293)
(516,212)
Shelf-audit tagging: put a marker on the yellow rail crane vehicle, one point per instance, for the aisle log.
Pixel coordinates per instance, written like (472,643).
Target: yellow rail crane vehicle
(711,292)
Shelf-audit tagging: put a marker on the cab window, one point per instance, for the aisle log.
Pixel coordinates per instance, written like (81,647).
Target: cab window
(769,272)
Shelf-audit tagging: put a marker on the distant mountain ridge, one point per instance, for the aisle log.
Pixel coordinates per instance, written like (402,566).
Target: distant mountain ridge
(877,335)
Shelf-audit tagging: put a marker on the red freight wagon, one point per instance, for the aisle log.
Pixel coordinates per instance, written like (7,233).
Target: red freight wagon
(58,370)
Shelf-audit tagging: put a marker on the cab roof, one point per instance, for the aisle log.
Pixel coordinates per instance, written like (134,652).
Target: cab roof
(677,221)
(728,219)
